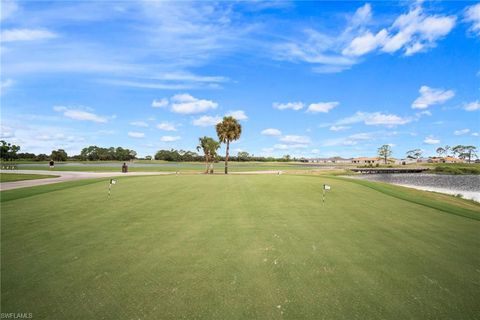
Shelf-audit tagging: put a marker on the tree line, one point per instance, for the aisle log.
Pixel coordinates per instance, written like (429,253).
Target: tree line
(466,153)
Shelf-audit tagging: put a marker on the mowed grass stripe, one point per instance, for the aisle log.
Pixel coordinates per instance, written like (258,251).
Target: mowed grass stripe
(235,247)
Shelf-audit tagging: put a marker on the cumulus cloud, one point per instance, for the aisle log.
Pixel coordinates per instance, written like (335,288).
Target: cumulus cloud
(472,106)
(166,126)
(338,128)
(416,31)
(206,121)
(289,105)
(79,114)
(431,140)
(366,43)
(430,96)
(6,132)
(12,35)
(5,84)
(238,114)
(323,107)
(271,132)
(294,139)
(351,140)
(187,104)
(137,135)
(162,103)
(375,118)
(169,138)
(461,132)
(472,15)
(412,32)
(139,124)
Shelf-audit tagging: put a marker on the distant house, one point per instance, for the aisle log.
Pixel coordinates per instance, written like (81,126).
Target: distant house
(447,159)
(367,160)
(423,160)
(330,160)
(405,161)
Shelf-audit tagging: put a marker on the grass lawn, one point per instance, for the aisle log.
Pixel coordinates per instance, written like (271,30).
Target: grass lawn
(10,177)
(238,247)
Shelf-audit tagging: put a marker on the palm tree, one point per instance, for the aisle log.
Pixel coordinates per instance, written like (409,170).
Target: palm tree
(209,147)
(228,130)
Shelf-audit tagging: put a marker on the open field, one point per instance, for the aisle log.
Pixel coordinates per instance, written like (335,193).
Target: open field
(238,247)
(10,177)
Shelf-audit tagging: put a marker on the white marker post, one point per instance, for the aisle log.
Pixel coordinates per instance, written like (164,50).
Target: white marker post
(112,181)
(325,187)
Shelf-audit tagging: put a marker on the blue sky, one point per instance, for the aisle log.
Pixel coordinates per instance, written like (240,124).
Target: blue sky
(311,79)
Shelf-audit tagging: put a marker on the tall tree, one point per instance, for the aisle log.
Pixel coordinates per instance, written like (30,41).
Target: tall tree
(228,130)
(384,152)
(209,147)
(414,154)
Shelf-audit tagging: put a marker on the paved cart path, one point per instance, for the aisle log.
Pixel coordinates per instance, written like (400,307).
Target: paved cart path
(65,176)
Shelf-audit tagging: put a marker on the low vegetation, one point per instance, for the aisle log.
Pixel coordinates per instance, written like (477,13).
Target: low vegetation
(238,247)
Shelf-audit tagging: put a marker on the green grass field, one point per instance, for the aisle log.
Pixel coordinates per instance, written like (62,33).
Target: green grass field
(10,177)
(238,247)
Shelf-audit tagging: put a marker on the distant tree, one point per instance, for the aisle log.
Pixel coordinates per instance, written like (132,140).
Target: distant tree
(228,130)
(440,151)
(8,151)
(243,156)
(286,158)
(384,152)
(465,152)
(414,154)
(209,147)
(148,158)
(42,157)
(59,155)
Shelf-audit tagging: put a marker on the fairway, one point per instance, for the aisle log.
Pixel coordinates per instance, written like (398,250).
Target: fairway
(238,247)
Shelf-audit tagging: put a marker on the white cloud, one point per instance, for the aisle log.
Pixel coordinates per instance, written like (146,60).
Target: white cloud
(139,124)
(294,139)
(472,14)
(416,31)
(12,35)
(169,138)
(338,128)
(238,114)
(206,121)
(375,118)
(351,140)
(431,140)
(472,106)
(160,103)
(365,43)
(136,135)
(323,107)
(5,84)
(166,126)
(282,146)
(475,134)
(187,104)
(271,132)
(461,132)
(8,9)
(289,105)
(430,96)
(412,32)
(6,132)
(78,114)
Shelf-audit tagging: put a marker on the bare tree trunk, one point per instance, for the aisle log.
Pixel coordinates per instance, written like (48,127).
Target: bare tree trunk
(226,157)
